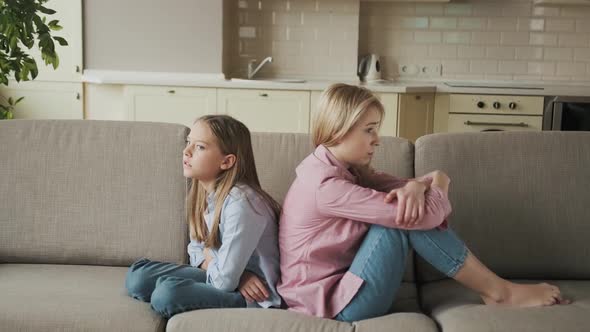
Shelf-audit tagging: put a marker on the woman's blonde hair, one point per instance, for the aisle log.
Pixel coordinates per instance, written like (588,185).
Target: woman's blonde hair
(232,137)
(338,110)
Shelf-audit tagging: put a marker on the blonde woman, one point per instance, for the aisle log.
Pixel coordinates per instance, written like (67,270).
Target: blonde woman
(233,230)
(346,229)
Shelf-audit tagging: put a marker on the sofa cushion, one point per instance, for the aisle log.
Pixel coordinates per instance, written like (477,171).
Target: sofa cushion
(38,297)
(91,192)
(458,309)
(520,199)
(255,320)
(278,154)
(406,322)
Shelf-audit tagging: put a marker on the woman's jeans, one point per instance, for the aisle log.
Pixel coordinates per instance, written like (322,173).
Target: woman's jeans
(173,288)
(381,260)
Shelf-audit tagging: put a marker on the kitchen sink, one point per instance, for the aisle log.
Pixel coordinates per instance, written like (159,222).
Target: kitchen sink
(268,80)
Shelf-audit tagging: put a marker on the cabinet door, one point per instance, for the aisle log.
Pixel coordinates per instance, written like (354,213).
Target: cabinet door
(69,14)
(478,123)
(46,100)
(267,110)
(169,104)
(416,115)
(389,123)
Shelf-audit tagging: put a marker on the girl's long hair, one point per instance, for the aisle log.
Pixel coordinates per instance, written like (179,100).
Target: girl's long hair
(232,137)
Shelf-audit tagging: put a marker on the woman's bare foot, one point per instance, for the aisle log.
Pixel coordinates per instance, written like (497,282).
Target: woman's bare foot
(523,295)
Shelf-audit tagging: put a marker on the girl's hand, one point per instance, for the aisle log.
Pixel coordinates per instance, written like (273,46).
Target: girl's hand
(208,259)
(410,203)
(252,288)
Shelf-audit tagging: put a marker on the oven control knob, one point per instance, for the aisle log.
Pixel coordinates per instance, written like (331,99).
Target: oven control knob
(481,104)
(512,106)
(496,105)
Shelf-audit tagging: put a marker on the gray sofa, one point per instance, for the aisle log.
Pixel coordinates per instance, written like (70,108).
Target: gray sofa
(81,200)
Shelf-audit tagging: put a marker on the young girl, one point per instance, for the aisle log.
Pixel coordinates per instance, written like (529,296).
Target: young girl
(346,229)
(233,230)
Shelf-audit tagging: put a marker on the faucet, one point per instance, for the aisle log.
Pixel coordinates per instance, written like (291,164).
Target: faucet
(251,71)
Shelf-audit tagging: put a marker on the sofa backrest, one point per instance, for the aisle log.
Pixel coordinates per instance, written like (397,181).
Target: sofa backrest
(91,192)
(277,156)
(520,199)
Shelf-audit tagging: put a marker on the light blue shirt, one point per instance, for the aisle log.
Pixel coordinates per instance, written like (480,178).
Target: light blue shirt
(248,234)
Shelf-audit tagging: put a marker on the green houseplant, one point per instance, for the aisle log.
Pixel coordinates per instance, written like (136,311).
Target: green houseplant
(23,25)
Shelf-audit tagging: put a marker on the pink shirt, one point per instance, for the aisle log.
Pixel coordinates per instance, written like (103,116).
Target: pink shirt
(325,217)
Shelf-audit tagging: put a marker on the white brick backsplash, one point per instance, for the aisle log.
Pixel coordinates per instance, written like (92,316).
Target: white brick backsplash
(429,9)
(485,38)
(500,53)
(558,53)
(483,67)
(513,67)
(472,39)
(546,39)
(457,37)
(471,23)
(541,68)
(560,25)
(514,38)
(471,52)
(529,53)
(443,23)
(570,69)
(535,24)
(458,9)
(427,37)
(502,24)
(575,40)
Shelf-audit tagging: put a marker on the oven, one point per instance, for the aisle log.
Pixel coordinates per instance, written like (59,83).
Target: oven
(566,113)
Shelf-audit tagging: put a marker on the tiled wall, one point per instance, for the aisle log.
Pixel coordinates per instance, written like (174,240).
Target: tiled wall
(480,39)
(307,38)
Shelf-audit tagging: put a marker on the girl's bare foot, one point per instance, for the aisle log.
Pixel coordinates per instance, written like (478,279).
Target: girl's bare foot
(523,295)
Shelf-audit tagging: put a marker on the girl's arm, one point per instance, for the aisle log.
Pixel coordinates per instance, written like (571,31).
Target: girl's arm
(195,253)
(242,230)
(341,198)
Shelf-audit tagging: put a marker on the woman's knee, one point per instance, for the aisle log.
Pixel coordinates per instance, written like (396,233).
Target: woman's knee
(396,237)
(137,281)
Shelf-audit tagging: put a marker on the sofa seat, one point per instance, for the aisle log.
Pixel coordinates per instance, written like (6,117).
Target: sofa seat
(39,297)
(406,317)
(286,321)
(458,309)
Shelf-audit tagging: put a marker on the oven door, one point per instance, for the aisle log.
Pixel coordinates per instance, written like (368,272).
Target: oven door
(479,122)
(567,113)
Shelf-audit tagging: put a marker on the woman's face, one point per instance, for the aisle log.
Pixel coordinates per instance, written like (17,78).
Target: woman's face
(356,148)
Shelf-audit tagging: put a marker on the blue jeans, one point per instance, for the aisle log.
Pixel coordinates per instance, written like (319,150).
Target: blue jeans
(173,288)
(381,259)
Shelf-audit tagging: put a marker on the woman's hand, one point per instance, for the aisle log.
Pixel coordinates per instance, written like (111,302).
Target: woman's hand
(208,259)
(252,288)
(410,203)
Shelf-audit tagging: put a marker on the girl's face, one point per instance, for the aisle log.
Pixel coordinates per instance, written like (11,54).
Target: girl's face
(202,158)
(356,148)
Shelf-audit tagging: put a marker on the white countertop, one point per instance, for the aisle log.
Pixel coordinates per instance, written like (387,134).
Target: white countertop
(218,81)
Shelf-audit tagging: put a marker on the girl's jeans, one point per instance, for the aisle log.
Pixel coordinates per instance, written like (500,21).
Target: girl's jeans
(381,260)
(173,288)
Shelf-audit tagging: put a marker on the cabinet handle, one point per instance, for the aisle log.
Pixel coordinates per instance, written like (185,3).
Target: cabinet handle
(78,96)
(263,94)
(474,123)
(171,91)
(77,69)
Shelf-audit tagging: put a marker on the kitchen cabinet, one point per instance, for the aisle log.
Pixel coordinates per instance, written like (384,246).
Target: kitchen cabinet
(478,113)
(416,115)
(46,100)
(264,110)
(69,14)
(180,105)
(418,1)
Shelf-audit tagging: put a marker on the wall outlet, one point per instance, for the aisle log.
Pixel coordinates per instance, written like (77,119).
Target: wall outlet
(419,70)
(407,69)
(433,70)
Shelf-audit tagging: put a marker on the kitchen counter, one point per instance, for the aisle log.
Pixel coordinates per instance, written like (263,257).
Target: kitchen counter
(218,81)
